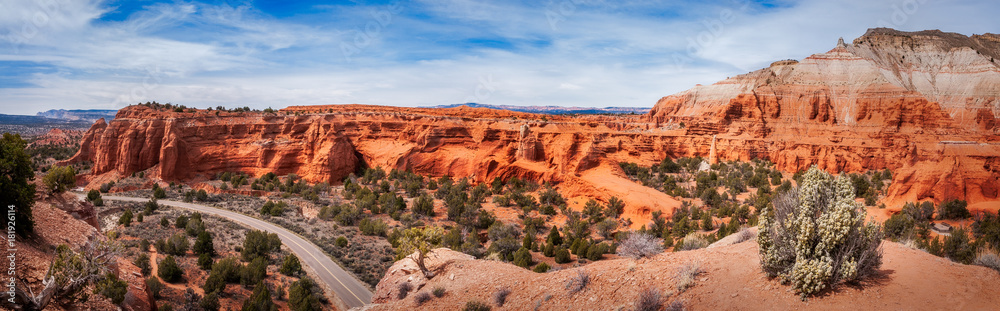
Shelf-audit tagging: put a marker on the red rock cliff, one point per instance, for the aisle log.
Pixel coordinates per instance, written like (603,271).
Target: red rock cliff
(922,103)
(844,110)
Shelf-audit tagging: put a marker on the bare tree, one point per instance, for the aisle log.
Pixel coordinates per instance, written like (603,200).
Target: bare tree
(69,273)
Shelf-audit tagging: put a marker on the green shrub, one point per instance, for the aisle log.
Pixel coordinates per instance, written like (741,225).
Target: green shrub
(154,285)
(181,222)
(112,287)
(204,244)
(93,194)
(953,209)
(341,242)
(291,265)
(254,272)
(424,205)
(210,302)
(816,237)
(259,244)
(177,245)
(898,226)
(959,247)
(438,292)
(522,258)
(541,268)
(562,255)
(142,261)
(60,178)
(476,306)
(159,193)
(301,295)
(259,300)
(126,219)
(205,262)
(373,226)
(169,271)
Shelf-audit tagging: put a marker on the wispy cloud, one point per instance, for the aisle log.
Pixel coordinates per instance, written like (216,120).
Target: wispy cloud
(101,54)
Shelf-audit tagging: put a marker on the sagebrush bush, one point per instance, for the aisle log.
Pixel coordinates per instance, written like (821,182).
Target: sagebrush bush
(693,241)
(578,282)
(421,298)
(816,236)
(640,244)
(686,276)
(404,289)
(476,306)
(438,292)
(989,260)
(649,300)
(500,296)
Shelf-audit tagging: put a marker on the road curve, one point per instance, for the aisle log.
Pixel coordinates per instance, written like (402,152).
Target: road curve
(350,290)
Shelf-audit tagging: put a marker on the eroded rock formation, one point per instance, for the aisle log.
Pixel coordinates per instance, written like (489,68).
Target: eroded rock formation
(923,104)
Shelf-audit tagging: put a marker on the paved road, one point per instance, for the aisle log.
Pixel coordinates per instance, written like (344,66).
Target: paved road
(344,285)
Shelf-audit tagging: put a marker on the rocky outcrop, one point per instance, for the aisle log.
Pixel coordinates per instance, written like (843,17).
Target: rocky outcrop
(914,101)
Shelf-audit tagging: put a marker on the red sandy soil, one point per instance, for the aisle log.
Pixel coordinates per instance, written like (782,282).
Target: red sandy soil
(732,280)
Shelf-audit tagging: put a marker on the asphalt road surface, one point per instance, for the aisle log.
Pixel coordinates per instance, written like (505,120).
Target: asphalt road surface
(350,290)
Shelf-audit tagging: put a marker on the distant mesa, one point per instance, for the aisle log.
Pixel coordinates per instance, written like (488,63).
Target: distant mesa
(78,115)
(554,109)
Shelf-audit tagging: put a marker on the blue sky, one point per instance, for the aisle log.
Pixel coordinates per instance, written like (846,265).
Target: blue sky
(92,54)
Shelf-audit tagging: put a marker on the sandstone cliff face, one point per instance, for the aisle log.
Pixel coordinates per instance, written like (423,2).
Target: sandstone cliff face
(857,107)
(922,102)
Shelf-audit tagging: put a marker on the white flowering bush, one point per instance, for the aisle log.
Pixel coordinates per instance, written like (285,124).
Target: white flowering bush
(816,237)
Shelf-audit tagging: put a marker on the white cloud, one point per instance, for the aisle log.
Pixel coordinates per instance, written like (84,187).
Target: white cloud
(598,54)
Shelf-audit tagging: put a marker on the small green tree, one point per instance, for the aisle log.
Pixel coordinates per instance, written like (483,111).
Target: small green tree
(142,261)
(159,193)
(154,285)
(204,244)
(93,194)
(126,219)
(562,255)
(522,258)
(205,261)
(210,302)
(112,287)
(260,300)
(291,266)
(421,241)
(17,190)
(301,297)
(60,178)
(181,222)
(169,271)
(254,272)
(259,244)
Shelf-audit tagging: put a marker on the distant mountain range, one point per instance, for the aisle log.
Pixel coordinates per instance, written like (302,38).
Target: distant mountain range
(73,115)
(57,118)
(555,109)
